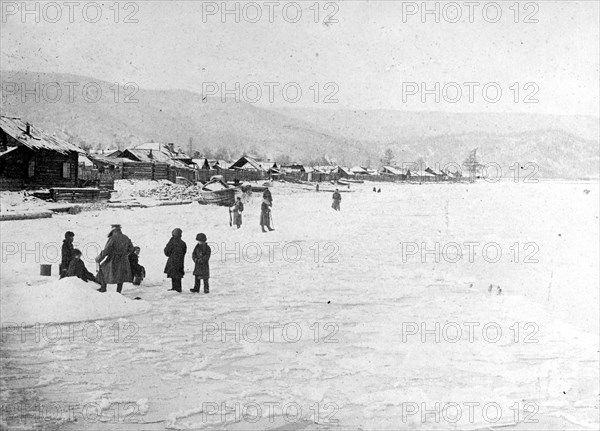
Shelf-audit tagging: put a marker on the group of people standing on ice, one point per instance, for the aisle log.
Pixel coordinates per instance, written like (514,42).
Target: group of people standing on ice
(118,262)
(176,250)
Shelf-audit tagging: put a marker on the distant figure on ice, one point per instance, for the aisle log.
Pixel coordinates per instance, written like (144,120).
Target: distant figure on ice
(67,253)
(201,256)
(175,250)
(138,272)
(374,189)
(265,215)
(267,196)
(337,198)
(317,187)
(114,260)
(77,268)
(238,208)
(378,190)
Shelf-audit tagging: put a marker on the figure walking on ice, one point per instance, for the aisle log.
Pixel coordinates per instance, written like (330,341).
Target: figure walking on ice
(337,198)
(265,215)
(237,210)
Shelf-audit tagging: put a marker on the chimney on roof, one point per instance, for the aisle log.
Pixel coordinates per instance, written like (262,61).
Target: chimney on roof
(28,129)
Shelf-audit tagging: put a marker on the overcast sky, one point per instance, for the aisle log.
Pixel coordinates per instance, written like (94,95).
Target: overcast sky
(371,53)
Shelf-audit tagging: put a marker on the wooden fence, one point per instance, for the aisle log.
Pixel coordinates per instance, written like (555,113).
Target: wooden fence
(156,171)
(90,177)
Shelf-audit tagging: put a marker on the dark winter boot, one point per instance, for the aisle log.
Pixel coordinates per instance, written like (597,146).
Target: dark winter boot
(206,285)
(196,288)
(176,284)
(119,287)
(102,288)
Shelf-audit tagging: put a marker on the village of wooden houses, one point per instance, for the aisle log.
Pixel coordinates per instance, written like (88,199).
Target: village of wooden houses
(35,161)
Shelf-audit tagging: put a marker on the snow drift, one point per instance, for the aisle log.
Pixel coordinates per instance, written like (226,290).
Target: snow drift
(62,301)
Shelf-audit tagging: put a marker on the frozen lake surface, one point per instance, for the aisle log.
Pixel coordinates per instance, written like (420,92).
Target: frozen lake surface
(376,317)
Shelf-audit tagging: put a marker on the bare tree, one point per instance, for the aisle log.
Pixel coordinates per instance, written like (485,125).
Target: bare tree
(388,158)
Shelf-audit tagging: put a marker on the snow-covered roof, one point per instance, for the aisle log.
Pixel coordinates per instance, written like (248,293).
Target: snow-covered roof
(393,170)
(4,153)
(359,170)
(162,148)
(421,173)
(83,159)
(37,139)
(152,156)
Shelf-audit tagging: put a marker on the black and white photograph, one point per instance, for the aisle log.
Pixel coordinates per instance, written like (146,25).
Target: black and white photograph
(303,215)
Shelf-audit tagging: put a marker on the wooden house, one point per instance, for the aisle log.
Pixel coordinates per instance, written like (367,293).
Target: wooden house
(31,158)
(156,164)
(394,172)
(344,172)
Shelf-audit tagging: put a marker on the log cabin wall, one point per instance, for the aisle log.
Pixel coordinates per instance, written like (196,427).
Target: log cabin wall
(48,169)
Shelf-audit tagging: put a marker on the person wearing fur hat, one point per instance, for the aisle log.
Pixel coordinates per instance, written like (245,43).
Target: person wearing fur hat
(201,256)
(67,254)
(114,260)
(175,251)
(265,215)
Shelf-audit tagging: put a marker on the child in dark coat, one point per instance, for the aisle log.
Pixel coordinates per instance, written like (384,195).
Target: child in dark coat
(201,256)
(138,272)
(77,268)
(175,251)
(67,254)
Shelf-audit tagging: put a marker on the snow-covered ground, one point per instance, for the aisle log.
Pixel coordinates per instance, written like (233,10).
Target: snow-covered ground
(353,320)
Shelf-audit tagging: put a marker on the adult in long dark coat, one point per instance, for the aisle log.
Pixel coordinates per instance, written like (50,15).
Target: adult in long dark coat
(265,215)
(337,198)
(201,256)
(114,260)
(175,251)
(66,253)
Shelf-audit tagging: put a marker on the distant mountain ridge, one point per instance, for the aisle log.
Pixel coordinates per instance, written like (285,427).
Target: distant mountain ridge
(562,146)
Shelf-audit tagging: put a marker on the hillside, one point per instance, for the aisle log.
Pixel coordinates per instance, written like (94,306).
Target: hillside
(562,146)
